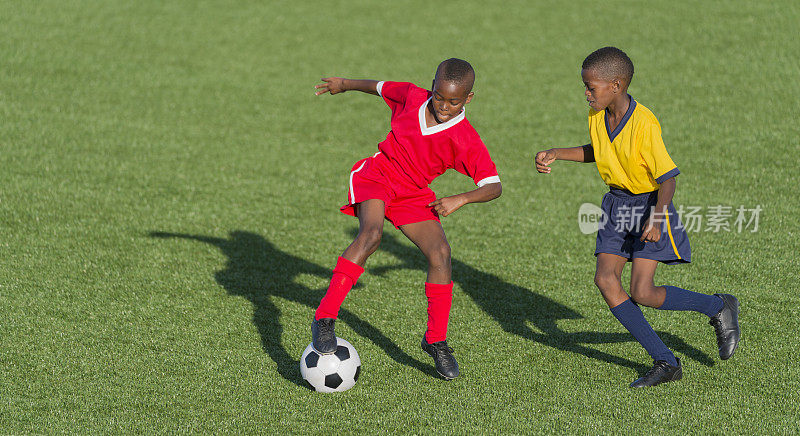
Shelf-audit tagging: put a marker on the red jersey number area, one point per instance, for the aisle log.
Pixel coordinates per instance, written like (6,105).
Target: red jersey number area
(413,154)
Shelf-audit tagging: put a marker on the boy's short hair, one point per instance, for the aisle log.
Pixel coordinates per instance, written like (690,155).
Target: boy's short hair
(610,63)
(457,71)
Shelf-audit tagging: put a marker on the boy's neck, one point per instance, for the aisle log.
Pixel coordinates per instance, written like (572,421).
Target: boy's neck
(617,108)
(430,118)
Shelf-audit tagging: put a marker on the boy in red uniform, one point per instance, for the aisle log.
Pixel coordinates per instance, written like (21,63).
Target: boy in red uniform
(429,134)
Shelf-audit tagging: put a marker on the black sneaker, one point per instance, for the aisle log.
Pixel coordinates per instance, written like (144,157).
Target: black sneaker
(662,372)
(442,354)
(322,336)
(726,326)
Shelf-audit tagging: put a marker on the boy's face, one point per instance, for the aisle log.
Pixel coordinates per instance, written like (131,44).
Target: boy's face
(448,99)
(599,92)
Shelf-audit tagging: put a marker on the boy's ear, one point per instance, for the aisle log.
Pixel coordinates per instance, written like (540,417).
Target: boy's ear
(469,97)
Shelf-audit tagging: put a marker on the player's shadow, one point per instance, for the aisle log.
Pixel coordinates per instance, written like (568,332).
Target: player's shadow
(525,313)
(258,271)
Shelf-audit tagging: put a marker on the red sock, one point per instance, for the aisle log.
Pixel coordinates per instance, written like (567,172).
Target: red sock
(345,276)
(440,298)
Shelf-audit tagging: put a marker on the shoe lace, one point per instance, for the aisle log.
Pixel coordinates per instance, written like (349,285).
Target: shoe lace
(658,364)
(325,326)
(716,322)
(442,348)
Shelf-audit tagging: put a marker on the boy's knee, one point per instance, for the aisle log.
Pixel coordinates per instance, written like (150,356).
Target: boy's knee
(643,293)
(370,238)
(605,279)
(439,256)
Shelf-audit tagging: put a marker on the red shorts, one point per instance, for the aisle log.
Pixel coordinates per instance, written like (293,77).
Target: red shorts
(374,178)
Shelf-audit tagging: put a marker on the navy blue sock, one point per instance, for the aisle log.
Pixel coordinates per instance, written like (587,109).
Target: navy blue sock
(630,316)
(681,299)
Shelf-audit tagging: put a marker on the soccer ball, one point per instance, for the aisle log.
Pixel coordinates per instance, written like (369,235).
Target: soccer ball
(335,372)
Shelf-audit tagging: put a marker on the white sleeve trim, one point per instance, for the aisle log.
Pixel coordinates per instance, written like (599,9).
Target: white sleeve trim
(486,181)
(379,88)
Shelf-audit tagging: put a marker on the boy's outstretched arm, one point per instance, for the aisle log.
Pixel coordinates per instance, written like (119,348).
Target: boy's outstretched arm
(446,205)
(583,153)
(335,85)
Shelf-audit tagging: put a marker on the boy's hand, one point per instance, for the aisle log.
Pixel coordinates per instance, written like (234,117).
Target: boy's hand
(334,85)
(651,233)
(544,159)
(447,205)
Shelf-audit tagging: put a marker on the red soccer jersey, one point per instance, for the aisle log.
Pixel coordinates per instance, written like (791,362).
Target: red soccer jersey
(420,153)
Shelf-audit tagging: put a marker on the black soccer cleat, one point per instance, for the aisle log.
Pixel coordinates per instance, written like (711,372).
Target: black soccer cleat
(726,326)
(662,372)
(323,337)
(442,354)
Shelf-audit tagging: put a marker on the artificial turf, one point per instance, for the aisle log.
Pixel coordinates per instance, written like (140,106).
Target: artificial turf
(169,201)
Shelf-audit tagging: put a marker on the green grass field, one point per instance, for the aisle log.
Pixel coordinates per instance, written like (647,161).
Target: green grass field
(169,201)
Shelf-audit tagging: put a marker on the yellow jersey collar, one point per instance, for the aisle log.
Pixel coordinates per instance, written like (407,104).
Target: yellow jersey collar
(622,122)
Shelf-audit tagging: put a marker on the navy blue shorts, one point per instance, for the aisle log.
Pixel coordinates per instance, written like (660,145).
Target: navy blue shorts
(621,227)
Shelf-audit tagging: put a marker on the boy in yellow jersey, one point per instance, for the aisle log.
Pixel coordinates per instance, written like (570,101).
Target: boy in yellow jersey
(640,224)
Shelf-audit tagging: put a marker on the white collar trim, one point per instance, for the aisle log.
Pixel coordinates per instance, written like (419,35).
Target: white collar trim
(423,125)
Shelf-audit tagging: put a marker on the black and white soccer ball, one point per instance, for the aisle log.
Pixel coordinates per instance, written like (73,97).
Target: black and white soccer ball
(336,372)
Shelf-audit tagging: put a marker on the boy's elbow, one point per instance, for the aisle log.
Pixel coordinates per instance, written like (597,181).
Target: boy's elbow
(498,190)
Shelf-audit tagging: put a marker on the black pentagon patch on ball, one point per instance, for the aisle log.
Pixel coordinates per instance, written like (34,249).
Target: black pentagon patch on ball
(311,359)
(333,381)
(358,372)
(342,353)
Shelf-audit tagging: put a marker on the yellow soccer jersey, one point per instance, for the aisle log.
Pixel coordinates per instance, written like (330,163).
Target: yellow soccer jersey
(633,156)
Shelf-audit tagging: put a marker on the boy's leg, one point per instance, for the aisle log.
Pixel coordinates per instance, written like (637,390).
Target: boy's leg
(349,268)
(723,309)
(644,291)
(370,228)
(430,238)
(607,279)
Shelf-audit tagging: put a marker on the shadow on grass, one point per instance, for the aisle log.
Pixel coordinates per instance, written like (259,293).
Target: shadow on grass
(258,271)
(516,309)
